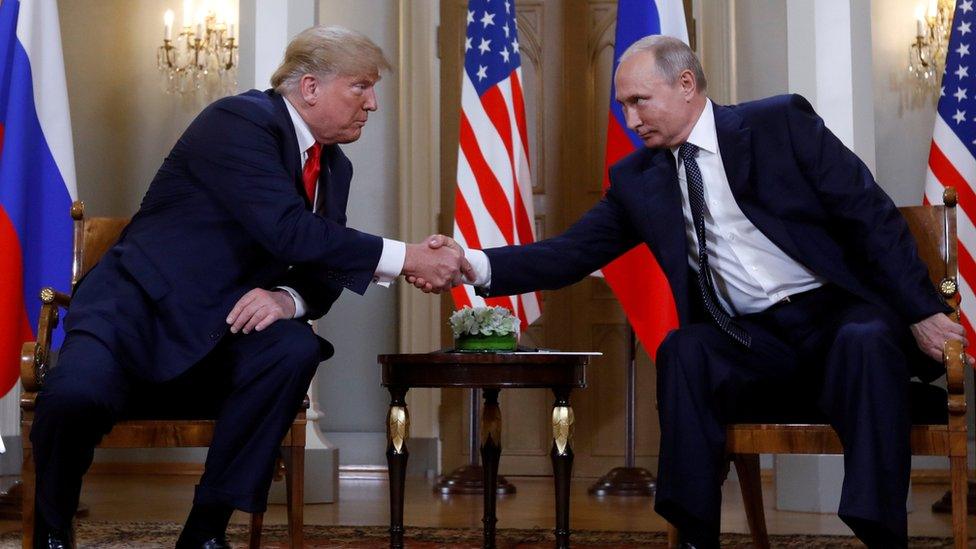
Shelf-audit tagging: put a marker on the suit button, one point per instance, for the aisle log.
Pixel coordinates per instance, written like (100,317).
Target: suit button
(214,336)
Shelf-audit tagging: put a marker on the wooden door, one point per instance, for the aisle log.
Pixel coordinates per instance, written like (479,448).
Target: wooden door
(567,55)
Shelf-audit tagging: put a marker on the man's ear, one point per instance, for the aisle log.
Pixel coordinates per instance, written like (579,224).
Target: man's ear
(688,83)
(308,86)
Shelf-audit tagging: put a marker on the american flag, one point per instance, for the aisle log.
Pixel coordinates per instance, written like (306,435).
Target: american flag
(952,158)
(493,201)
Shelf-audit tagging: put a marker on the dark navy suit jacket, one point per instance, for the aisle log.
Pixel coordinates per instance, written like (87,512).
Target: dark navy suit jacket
(225,214)
(793,179)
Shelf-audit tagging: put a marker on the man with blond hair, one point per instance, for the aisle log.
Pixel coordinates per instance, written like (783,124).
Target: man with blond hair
(201,308)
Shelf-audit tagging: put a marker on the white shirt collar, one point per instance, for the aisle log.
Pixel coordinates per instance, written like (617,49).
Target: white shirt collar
(703,134)
(302,131)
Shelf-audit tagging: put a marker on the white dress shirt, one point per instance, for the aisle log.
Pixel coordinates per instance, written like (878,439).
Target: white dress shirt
(394,251)
(750,273)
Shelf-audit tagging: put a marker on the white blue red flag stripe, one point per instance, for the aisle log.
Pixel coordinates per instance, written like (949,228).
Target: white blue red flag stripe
(493,200)
(952,157)
(37,171)
(635,278)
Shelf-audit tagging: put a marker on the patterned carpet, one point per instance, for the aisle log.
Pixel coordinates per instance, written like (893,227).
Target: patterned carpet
(105,535)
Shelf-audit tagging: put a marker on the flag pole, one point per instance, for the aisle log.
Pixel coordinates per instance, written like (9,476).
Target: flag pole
(628,480)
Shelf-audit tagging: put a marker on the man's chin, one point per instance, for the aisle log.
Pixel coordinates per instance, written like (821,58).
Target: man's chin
(351,136)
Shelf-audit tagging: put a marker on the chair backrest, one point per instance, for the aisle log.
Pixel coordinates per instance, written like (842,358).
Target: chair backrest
(934,229)
(93,237)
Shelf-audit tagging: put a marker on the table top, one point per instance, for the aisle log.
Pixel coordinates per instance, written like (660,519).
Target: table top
(484,370)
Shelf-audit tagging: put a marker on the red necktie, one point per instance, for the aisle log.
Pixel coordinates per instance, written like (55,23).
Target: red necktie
(310,174)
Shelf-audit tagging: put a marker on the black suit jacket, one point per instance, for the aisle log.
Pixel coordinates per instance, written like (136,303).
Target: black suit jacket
(793,179)
(225,214)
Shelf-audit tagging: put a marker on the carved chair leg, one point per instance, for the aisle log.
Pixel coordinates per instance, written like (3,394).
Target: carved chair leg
(294,458)
(28,477)
(957,467)
(750,482)
(257,523)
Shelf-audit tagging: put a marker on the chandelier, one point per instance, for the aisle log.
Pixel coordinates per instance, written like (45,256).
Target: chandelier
(926,56)
(203,56)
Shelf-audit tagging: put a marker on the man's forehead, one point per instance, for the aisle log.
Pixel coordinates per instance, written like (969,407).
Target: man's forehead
(370,76)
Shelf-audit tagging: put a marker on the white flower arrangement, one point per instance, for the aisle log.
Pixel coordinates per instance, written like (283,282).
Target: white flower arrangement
(486,321)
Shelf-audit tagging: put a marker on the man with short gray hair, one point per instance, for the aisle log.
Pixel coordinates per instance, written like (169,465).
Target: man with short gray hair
(792,272)
(201,308)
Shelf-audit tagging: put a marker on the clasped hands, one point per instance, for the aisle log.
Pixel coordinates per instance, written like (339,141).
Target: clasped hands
(437,264)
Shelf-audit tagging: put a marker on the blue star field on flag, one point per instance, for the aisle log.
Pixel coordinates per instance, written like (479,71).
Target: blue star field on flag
(957,102)
(491,47)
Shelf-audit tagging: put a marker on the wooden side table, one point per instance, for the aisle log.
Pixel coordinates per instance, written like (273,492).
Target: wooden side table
(490,372)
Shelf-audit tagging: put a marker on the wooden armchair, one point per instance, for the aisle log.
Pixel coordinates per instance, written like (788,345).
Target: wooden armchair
(939,423)
(92,238)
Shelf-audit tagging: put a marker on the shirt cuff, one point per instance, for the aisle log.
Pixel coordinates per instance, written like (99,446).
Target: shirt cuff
(482,268)
(391,262)
(300,307)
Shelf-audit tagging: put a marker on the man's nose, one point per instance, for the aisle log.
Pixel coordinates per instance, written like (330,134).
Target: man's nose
(631,118)
(370,104)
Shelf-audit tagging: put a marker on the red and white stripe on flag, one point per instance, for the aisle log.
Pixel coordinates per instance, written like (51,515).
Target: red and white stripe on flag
(952,157)
(493,199)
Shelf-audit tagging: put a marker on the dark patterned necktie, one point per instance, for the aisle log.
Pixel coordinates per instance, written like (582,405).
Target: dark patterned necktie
(696,199)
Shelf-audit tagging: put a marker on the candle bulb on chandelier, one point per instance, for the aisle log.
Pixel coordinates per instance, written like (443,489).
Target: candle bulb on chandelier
(187,14)
(168,25)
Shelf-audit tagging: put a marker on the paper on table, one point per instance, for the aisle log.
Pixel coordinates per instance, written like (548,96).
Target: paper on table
(555,352)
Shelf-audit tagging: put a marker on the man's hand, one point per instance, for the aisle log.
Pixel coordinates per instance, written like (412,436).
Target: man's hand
(259,308)
(436,265)
(932,333)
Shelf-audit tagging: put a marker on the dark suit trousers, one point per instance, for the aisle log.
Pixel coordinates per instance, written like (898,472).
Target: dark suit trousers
(253,384)
(848,356)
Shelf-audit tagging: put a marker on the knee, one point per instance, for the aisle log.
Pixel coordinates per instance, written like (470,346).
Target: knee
(77,401)
(681,346)
(865,334)
(864,345)
(300,349)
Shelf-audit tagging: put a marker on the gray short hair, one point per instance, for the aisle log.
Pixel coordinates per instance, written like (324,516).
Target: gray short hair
(325,50)
(671,57)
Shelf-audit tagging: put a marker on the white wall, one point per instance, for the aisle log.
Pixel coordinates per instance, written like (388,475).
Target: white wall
(363,326)
(123,122)
(760,49)
(903,123)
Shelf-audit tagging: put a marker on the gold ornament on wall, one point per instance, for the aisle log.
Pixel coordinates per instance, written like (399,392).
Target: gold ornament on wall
(202,58)
(927,54)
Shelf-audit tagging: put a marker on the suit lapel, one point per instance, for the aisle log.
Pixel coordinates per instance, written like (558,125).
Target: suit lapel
(662,200)
(735,147)
(333,183)
(291,154)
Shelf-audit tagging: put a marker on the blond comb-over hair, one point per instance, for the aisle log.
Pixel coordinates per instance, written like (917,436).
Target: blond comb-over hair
(327,50)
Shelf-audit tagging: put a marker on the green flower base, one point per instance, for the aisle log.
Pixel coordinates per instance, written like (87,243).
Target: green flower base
(486,343)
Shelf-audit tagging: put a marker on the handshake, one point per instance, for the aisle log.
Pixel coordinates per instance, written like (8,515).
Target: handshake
(437,264)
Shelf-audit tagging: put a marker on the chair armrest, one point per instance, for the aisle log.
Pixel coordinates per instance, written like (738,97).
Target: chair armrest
(35,355)
(954,358)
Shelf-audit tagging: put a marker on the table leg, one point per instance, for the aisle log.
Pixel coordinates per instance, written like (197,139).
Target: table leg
(397,431)
(562,461)
(491,451)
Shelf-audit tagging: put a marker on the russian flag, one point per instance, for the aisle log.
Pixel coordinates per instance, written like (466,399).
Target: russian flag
(37,172)
(635,278)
